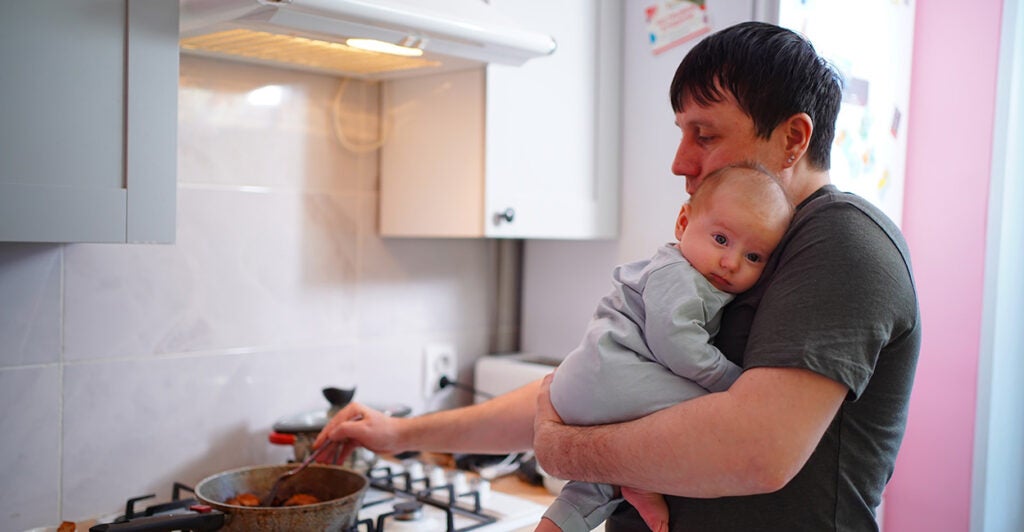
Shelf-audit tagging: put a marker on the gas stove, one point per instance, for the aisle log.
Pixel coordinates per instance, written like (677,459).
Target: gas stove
(407,496)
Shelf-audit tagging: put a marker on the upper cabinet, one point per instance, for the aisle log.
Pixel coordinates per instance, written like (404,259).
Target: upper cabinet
(511,152)
(88,120)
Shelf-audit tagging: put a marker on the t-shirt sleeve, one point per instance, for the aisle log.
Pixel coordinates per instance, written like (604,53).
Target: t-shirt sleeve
(829,306)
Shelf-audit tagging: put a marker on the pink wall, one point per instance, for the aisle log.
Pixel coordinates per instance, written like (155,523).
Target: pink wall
(956,47)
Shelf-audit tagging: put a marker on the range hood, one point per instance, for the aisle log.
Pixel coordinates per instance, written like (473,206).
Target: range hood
(317,35)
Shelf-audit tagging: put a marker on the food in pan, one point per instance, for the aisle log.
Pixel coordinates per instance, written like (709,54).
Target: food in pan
(244,499)
(301,499)
(248,499)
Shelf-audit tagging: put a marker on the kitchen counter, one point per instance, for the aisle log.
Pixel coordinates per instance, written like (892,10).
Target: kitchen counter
(513,486)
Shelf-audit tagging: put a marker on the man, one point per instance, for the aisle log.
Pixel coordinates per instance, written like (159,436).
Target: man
(807,436)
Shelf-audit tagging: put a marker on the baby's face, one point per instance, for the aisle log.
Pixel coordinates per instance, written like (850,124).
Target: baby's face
(729,245)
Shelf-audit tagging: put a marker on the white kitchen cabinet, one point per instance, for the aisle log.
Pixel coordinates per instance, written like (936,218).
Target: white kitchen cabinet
(511,152)
(88,120)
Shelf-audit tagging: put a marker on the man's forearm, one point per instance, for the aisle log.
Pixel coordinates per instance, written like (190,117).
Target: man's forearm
(501,425)
(657,453)
(751,439)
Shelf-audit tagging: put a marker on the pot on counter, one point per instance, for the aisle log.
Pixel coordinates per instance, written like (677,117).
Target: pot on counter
(340,490)
(300,430)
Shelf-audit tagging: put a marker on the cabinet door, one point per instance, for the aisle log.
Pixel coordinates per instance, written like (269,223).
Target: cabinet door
(552,126)
(539,142)
(88,120)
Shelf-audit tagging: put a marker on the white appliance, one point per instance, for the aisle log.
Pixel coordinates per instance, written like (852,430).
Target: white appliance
(494,375)
(422,36)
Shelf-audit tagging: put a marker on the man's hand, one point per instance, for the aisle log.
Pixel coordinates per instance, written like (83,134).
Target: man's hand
(359,426)
(546,424)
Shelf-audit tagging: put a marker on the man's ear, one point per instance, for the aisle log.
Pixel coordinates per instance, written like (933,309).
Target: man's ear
(682,220)
(796,132)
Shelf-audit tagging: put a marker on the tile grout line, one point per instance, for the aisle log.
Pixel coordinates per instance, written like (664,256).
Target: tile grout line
(60,395)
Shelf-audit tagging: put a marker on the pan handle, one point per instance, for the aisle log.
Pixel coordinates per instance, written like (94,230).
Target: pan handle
(200,517)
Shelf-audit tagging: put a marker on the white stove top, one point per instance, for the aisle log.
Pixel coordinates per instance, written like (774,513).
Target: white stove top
(509,512)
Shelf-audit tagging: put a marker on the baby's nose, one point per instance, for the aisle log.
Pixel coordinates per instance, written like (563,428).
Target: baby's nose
(730,261)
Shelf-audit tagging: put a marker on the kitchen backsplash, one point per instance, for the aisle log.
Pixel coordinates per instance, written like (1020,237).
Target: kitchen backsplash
(124,368)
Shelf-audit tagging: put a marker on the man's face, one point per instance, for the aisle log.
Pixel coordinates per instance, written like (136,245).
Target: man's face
(716,136)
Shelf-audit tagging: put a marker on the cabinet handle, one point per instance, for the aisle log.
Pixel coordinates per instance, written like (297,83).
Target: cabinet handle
(507,215)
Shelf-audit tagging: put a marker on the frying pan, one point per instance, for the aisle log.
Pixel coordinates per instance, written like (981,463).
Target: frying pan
(340,490)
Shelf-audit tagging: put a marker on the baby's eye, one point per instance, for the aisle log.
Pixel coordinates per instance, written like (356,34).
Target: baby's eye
(753,257)
(721,239)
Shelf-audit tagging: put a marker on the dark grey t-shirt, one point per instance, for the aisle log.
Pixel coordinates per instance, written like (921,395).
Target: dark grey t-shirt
(836,298)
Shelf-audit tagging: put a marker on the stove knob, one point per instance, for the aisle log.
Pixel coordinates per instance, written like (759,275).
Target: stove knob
(483,487)
(414,468)
(459,483)
(437,477)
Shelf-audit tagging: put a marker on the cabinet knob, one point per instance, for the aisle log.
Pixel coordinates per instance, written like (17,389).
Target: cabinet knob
(507,215)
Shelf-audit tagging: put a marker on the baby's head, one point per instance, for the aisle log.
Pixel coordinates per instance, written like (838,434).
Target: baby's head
(732,224)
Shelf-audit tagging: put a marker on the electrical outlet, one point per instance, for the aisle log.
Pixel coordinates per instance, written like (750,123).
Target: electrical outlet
(438,361)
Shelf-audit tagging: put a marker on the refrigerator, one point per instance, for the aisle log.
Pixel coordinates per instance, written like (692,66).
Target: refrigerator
(871,43)
(868,41)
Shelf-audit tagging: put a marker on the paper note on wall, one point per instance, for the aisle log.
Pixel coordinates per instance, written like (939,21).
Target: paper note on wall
(673,22)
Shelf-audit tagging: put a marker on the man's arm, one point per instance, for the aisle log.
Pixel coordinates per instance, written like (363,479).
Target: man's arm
(503,424)
(752,438)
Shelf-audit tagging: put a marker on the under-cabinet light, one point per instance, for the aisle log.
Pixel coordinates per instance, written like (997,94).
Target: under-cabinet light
(374,45)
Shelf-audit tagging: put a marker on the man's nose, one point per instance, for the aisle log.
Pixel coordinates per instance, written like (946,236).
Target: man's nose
(686,164)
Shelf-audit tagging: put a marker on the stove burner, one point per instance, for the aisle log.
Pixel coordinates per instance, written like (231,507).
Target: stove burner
(384,479)
(408,510)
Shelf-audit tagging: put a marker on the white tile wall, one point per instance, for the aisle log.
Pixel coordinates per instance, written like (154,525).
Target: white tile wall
(29,304)
(29,445)
(124,368)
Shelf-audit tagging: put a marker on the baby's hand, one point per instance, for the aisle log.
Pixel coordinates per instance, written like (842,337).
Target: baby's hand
(651,506)
(547,525)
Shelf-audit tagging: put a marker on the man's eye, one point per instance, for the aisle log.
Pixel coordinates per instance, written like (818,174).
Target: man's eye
(720,239)
(753,257)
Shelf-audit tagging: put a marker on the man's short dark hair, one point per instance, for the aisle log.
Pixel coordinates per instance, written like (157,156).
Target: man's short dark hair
(772,72)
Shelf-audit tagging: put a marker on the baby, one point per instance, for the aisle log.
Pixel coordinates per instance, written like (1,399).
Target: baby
(648,345)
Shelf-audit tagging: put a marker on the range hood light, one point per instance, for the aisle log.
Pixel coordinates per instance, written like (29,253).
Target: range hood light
(421,37)
(374,45)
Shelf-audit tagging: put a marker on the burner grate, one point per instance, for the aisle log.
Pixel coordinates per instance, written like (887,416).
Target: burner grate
(383,478)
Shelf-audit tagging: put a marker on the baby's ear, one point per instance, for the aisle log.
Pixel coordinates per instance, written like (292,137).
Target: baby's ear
(682,220)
